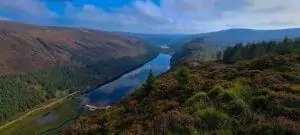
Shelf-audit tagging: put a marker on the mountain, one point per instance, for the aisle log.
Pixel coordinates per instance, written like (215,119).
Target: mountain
(156,39)
(233,36)
(219,38)
(25,47)
(39,64)
(196,51)
(164,42)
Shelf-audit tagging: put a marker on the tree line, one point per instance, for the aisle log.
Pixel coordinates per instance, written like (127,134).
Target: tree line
(21,92)
(256,50)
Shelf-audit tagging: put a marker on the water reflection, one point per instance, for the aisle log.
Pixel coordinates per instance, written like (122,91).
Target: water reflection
(118,89)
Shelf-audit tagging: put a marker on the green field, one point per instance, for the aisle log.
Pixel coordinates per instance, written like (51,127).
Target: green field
(30,126)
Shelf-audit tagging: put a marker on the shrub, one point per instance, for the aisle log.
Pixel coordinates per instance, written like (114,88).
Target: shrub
(215,92)
(174,121)
(211,119)
(275,129)
(198,101)
(226,97)
(264,105)
(182,75)
(240,90)
(240,110)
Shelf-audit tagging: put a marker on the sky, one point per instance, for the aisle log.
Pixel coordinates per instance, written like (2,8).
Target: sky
(155,16)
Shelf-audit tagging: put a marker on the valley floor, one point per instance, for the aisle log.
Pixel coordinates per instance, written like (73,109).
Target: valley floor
(60,107)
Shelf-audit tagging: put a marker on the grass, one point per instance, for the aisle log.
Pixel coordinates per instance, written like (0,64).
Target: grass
(29,126)
(18,115)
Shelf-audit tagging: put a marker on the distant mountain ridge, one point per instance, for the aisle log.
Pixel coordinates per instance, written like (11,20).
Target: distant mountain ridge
(223,37)
(25,47)
(233,36)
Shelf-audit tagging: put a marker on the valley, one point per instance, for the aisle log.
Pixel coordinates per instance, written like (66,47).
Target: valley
(39,66)
(56,80)
(109,93)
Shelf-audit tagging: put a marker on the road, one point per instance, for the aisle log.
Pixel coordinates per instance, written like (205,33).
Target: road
(37,109)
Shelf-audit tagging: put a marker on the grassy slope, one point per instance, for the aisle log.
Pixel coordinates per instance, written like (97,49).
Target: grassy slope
(250,97)
(29,124)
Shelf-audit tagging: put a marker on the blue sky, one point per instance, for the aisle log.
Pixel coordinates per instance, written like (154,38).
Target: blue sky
(155,16)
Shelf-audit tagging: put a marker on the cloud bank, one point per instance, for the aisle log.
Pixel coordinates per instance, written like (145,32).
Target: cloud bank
(166,16)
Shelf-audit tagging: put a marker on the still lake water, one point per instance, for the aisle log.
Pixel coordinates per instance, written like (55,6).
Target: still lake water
(115,91)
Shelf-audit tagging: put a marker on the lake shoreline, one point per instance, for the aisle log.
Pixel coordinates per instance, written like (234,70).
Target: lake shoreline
(113,92)
(73,118)
(119,76)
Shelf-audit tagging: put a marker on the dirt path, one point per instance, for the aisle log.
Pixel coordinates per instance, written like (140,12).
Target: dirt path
(37,109)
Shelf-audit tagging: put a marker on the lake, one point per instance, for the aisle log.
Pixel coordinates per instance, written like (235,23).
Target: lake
(116,90)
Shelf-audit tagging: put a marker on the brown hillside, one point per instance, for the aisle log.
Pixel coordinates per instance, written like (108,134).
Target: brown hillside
(26,47)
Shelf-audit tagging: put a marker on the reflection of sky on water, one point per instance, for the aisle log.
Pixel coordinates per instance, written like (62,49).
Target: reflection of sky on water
(118,89)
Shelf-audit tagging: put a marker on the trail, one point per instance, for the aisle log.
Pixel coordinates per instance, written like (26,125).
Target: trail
(37,109)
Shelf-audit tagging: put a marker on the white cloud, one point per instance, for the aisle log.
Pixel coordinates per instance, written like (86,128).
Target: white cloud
(148,8)
(29,7)
(169,16)
(4,18)
(265,14)
(30,11)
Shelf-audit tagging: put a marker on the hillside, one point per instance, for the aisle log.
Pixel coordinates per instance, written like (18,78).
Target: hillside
(196,51)
(39,64)
(258,96)
(26,47)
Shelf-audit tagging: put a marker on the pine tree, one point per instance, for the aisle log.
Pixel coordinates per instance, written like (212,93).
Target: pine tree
(182,75)
(150,80)
(219,55)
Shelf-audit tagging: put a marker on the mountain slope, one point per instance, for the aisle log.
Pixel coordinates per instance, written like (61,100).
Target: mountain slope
(196,51)
(26,48)
(38,64)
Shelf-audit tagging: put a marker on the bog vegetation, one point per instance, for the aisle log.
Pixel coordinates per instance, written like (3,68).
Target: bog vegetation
(254,90)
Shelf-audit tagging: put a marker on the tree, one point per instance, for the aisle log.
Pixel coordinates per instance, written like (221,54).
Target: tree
(286,40)
(219,55)
(150,81)
(182,75)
